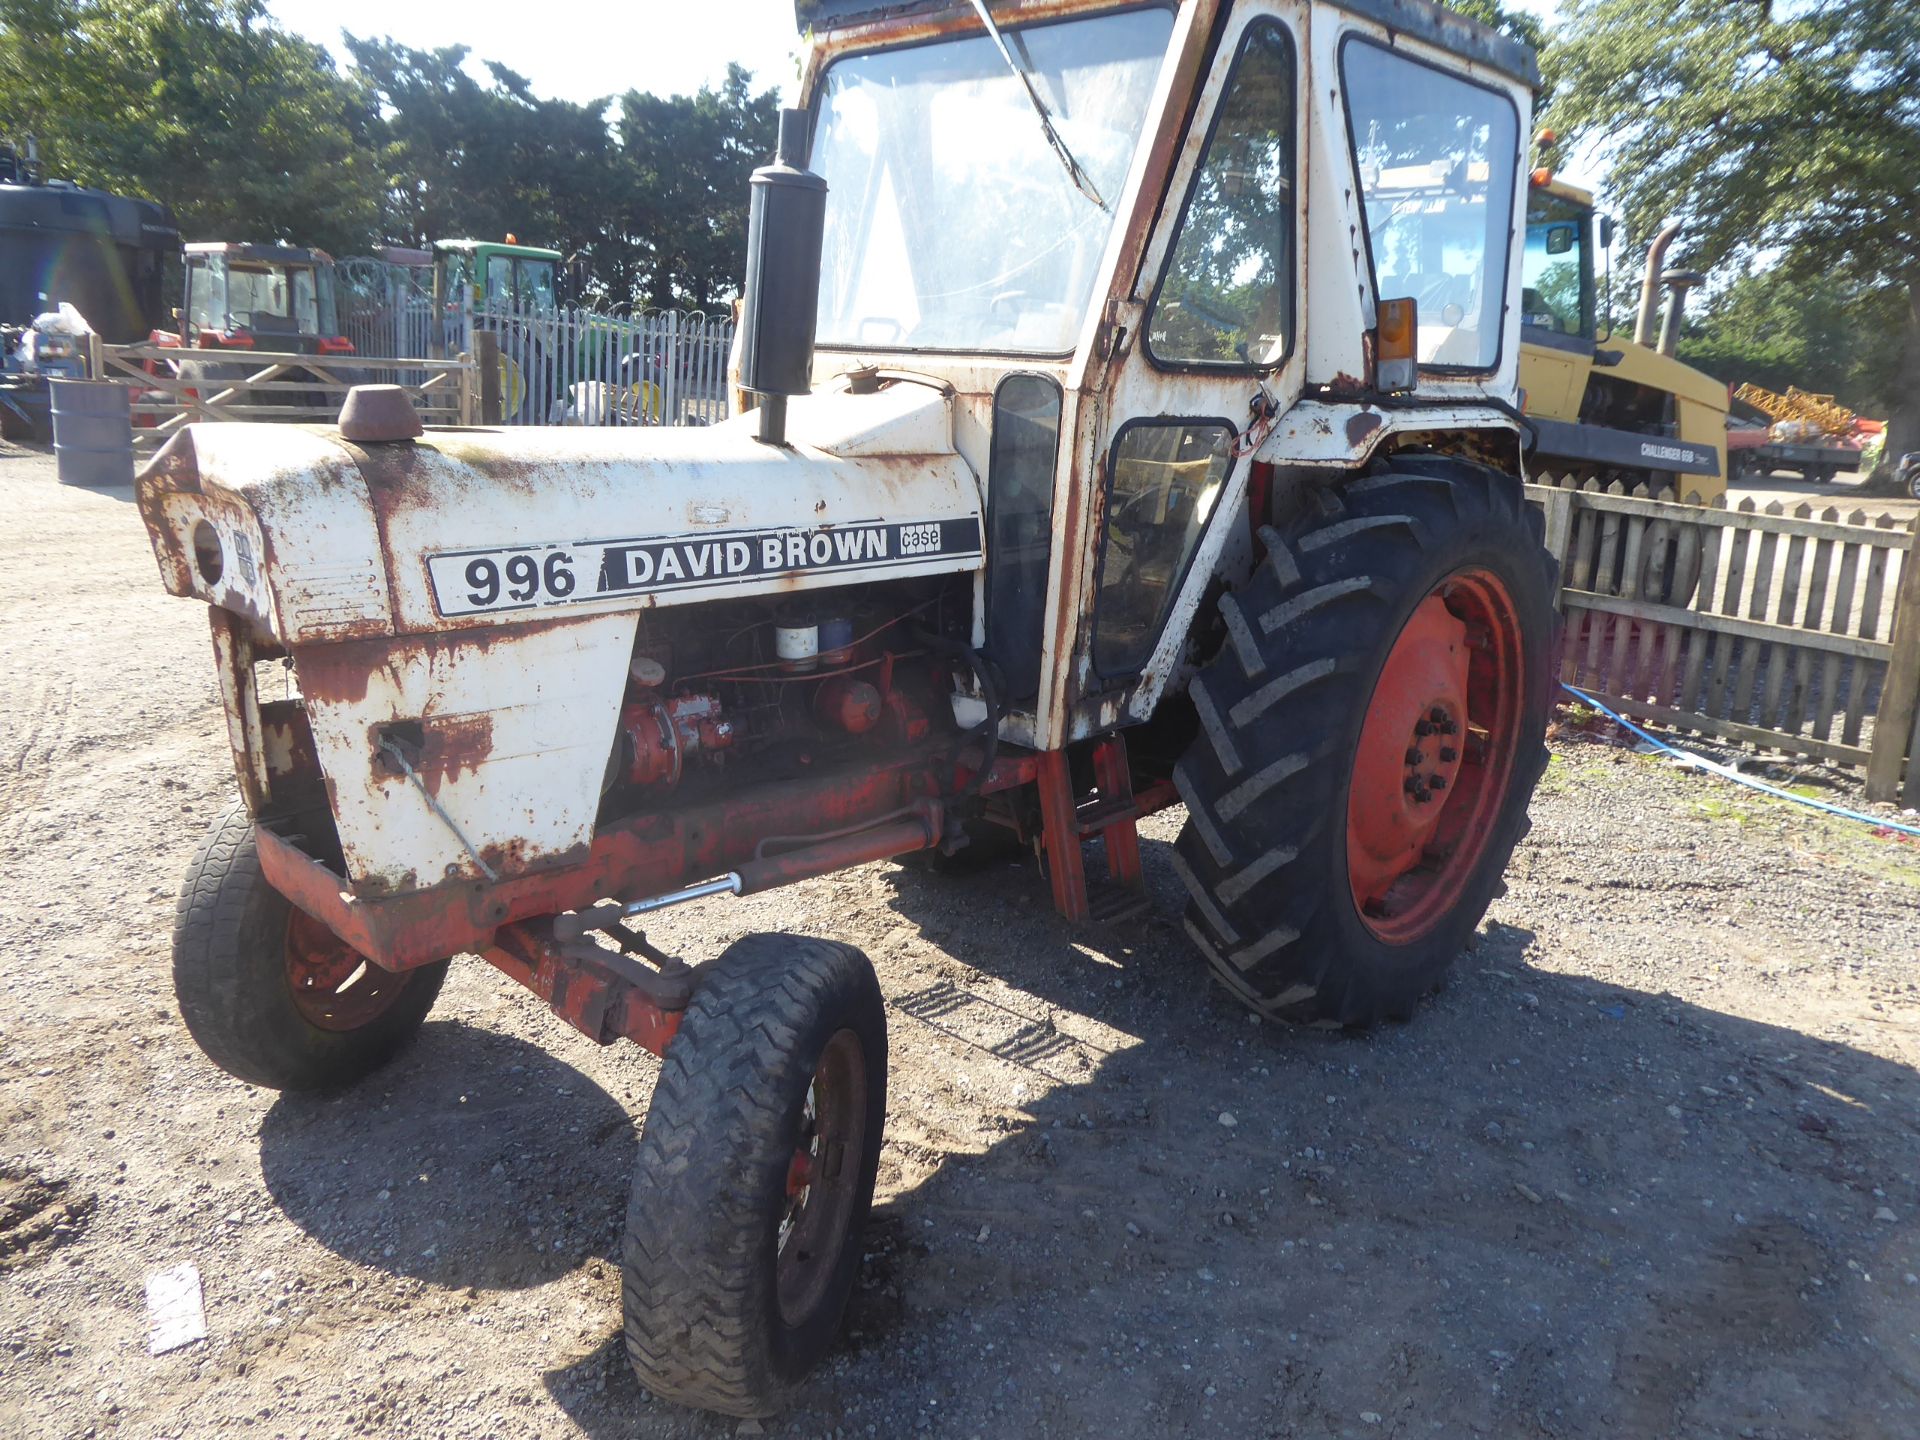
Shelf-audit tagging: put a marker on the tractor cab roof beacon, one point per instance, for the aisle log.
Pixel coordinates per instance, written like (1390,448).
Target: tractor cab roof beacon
(1125,416)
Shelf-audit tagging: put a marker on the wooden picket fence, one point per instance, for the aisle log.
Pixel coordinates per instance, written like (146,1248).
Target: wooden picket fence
(1801,635)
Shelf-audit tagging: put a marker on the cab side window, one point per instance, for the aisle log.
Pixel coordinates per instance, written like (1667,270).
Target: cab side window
(500,280)
(1226,297)
(1163,478)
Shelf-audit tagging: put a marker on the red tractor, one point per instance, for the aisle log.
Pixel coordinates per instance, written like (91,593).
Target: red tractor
(246,298)
(1136,426)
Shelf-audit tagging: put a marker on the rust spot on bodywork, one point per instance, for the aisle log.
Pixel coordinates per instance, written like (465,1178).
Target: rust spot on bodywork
(438,747)
(341,673)
(1361,426)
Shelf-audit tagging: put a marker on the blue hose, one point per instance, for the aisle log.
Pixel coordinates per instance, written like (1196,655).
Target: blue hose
(1727,772)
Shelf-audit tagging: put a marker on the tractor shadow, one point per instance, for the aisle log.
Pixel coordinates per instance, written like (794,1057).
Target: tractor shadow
(1550,1206)
(475,1160)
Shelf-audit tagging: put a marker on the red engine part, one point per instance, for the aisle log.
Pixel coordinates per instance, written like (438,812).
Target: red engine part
(849,704)
(663,733)
(906,721)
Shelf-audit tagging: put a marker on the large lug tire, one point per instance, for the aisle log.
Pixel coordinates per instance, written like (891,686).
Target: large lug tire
(1369,739)
(755,1174)
(269,994)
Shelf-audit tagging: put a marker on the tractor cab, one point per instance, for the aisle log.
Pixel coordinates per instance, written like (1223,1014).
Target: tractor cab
(489,275)
(258,297)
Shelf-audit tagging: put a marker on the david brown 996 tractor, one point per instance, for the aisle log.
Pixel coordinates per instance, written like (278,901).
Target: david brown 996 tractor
(1101,462)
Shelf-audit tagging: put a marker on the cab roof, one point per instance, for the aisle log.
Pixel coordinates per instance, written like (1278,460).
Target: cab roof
(529,252)
(265,254)
(1422,19)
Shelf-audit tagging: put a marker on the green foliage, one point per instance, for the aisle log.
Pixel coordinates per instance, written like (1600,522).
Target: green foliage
(250,133)
(247,132)
(1776,331)
(1784,134)
(688,159)
(1516,25)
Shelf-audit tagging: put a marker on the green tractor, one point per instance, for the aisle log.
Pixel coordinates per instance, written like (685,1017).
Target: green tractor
(511,289)
(581,370)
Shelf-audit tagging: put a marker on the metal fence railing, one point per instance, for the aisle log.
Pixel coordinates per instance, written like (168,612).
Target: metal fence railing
(570,366)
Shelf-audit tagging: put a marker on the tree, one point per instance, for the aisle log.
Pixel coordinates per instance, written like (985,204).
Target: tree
(1515,25)
(1769,329)
(463,159)
(245,131)
(1786,134)
(688,161)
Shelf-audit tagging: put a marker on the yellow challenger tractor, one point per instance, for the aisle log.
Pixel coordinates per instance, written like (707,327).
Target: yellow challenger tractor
(1604,407)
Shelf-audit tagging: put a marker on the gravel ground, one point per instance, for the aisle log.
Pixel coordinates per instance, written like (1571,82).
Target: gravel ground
(1648,1167)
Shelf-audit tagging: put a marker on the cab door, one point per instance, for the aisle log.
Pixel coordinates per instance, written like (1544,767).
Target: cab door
(1213,352)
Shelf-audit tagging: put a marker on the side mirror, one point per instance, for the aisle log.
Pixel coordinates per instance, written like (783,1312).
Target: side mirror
(1606,232)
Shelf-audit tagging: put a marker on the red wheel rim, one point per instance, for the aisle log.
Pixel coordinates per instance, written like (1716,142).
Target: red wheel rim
(1435,757)
(334,986)
(823,1179)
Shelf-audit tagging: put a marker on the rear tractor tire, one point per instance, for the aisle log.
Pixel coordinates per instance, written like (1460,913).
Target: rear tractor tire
(1370,737)
(270,994)
(755,1174)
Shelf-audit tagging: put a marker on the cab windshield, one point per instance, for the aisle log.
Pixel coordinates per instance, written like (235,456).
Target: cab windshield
(951,222)
(251,295)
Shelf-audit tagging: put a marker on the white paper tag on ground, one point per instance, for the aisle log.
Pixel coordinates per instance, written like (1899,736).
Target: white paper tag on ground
(174,1308)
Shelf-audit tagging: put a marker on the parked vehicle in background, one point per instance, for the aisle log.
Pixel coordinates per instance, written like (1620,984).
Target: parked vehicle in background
(508,288)
(1808,434)
(1907,473)
(1604,406)
(240,298)
(258,297)
(560,365)
(63,244)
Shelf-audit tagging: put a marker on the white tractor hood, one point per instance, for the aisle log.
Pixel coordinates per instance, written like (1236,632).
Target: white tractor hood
(320,539)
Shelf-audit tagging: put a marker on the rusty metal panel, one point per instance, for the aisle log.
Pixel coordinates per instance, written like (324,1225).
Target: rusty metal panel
(507,729)
(632,519)
(318,548)
(233,664)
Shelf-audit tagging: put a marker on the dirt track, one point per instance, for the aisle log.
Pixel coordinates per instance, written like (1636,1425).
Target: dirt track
(1621,1179)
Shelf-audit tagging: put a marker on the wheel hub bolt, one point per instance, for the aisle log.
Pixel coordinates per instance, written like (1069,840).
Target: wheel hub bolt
(1448,754)
(1414,757)
(1438,782)
(1422,728)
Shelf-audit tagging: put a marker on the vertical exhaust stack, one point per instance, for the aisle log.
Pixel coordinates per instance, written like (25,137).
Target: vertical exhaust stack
(1679,282)
(1650,285)
(785,229)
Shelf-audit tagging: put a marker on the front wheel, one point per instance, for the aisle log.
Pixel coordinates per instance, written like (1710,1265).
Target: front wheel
(1370,738)
(755,1174)
(270,994)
